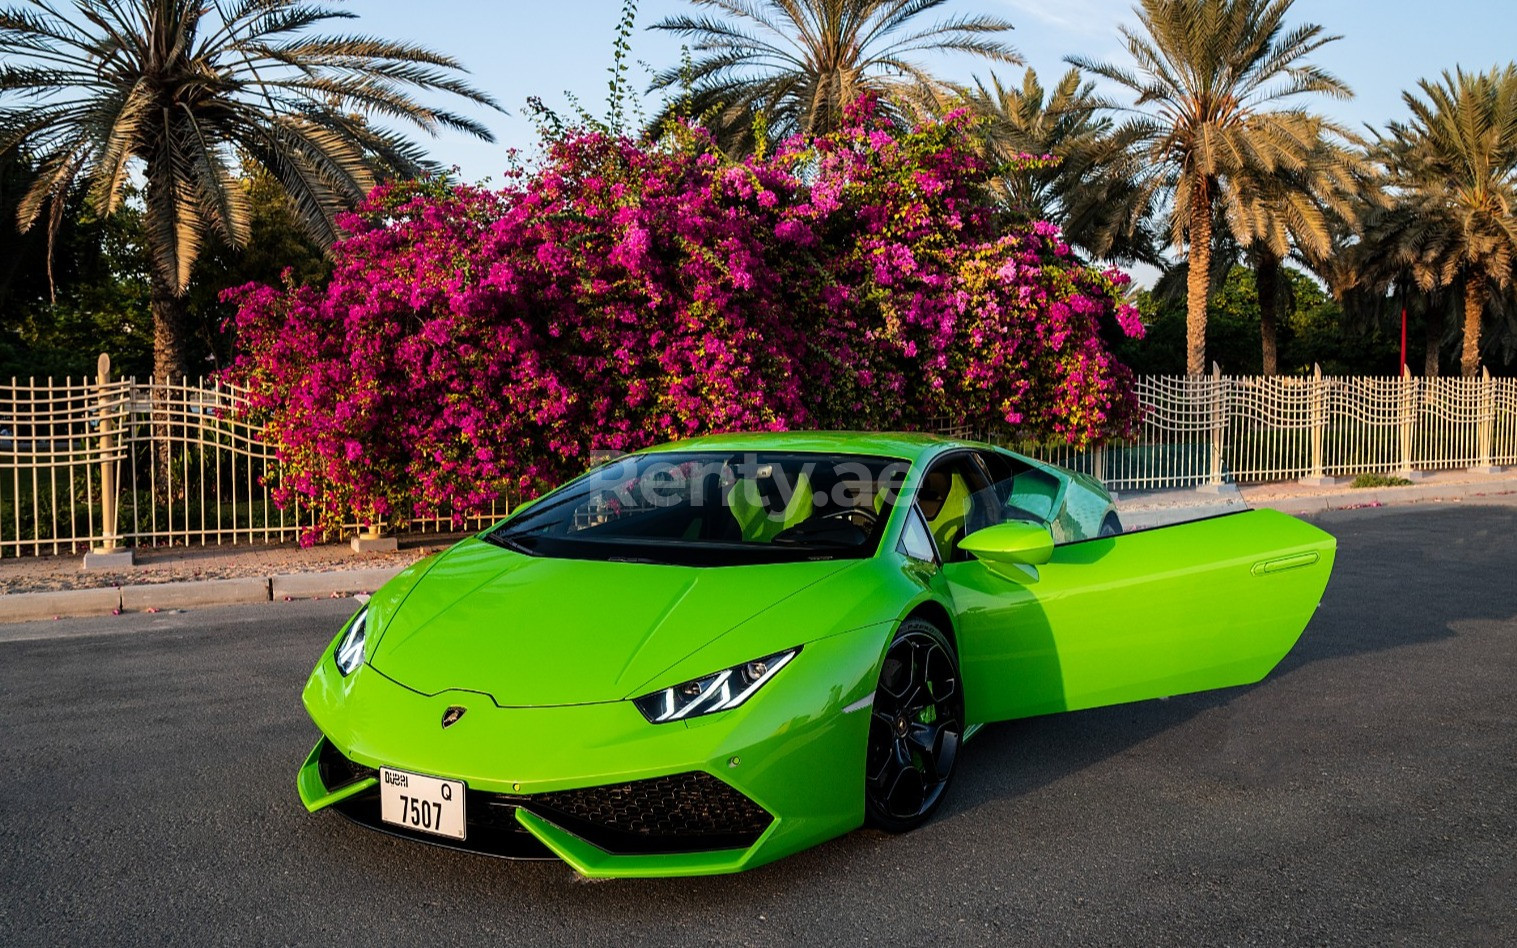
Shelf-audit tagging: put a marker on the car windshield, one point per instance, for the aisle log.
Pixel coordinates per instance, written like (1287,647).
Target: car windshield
(713,509)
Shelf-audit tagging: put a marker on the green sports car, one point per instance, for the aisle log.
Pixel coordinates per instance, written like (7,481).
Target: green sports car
(705,656)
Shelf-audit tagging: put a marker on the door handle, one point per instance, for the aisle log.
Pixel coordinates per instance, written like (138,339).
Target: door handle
(1283,563)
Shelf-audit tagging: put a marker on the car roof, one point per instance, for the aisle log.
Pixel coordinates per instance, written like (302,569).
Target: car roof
(905,445)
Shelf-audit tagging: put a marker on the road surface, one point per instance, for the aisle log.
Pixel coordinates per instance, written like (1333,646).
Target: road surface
(1364,793)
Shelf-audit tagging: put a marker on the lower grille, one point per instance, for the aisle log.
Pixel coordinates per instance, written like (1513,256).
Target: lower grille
(680,813)
(337,770)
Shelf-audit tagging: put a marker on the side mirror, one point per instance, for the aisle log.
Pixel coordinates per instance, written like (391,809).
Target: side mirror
(1015,542)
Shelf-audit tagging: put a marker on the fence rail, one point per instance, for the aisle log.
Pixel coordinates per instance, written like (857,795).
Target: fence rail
(83,462)
(1215,429)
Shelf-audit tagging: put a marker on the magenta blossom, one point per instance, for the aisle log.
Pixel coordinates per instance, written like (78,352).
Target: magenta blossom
(473,343)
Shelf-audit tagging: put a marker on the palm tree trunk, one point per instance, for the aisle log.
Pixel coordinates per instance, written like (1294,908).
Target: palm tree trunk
(170,328)
(1198,280)
(165,295)
(170,320)
(1475,291)
(1434,341)
(169,325)
(1267,279)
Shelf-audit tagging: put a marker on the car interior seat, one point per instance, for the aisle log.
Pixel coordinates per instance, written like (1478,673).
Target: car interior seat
(761,509)
(710,522)
(947,504)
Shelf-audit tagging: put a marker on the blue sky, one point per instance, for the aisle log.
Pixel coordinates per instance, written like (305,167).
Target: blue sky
(520,48)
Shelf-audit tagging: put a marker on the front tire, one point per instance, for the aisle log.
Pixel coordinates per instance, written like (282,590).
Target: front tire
(915,728)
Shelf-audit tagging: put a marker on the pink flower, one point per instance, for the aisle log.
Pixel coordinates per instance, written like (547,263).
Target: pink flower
(474,344)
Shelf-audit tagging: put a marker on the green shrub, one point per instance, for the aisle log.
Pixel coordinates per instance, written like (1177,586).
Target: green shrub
(1380,480)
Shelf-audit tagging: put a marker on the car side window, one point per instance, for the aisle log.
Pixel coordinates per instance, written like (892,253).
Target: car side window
(916,541)
(954,500)
(1022,492)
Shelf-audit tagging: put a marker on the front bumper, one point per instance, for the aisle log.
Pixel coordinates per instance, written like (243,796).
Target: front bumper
(597,785)
(680,814)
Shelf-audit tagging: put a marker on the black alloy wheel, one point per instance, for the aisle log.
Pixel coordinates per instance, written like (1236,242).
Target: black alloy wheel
(915,728)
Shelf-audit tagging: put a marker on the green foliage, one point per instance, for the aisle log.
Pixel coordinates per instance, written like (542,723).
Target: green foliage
(181,92)
(1313,332)
(56,505)
(1453,170)
(621,97)
(1316,332)
(1379,480)
(1217,85)
(278,251)
(1089,189)
(620,92)
(99,302)
(1216,79)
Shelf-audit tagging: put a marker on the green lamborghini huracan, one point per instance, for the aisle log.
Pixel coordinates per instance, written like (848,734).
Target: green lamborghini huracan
(705,656)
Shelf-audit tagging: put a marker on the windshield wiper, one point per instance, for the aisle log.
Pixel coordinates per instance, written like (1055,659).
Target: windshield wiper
(507,541)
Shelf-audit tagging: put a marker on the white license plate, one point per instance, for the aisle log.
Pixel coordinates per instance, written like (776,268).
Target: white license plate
(418,802)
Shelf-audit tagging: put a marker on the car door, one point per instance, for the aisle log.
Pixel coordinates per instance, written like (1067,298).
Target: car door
(1183,608)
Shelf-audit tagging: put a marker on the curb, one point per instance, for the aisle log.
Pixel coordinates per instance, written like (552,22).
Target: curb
(150,597)
(143,597)
(1388,497)
(210,592)
(1159,506)
(27,607)
(324,585)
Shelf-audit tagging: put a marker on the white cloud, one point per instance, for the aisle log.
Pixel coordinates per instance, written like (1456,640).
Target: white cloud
(1081,17)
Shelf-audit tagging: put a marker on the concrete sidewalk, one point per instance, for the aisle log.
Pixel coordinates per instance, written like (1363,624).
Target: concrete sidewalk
(1146,509)
(46,587)
(164,597)
(34,588)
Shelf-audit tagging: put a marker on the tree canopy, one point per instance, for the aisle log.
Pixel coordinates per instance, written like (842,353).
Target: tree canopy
(185,93)
(770,69)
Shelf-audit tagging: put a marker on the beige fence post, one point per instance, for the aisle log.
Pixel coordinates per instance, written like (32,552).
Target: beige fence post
(1408,420)
(1218,431)
(1317,417)
(109,554)
(1485,435)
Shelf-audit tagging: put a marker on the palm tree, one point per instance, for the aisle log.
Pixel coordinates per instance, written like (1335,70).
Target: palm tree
(1453,168)
(774,68)
(1091,193)
(1213,81)
(181,92)
(1297,212)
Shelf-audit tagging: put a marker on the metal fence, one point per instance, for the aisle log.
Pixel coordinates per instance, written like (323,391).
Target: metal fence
(115,462)
(103,462)
(1215,429)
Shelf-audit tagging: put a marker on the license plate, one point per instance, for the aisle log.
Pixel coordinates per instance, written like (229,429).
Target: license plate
(419,802)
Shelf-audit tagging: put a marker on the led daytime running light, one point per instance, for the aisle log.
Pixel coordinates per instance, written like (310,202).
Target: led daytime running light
(720,691)
(349,653)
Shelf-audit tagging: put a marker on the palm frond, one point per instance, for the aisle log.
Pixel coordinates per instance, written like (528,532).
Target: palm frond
(794,65)
(180,88)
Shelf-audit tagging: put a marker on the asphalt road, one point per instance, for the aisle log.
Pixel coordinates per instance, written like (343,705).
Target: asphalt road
(1365,793)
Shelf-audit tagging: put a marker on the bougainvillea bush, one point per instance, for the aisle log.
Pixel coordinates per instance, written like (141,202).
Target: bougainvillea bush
(475,342)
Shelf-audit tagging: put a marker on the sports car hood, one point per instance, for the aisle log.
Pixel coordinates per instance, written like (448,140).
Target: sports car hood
(533,631)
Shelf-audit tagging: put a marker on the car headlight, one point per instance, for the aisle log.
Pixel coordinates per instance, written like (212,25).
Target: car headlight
(349,654)
(718,691)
